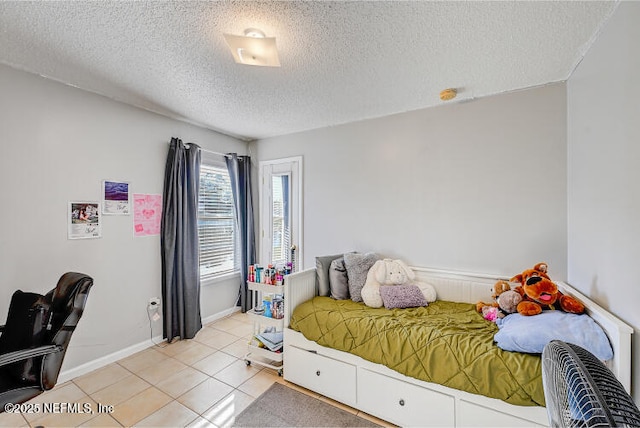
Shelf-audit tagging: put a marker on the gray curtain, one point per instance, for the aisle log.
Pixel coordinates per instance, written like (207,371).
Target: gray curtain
(179,242)
(240,173)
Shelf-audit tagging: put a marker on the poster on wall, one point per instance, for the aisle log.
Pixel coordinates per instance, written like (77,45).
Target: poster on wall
(115,195)
(83,220)
(147,213)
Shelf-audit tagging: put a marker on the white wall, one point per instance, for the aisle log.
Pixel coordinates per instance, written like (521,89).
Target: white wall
(603,172)
(57,144)
(477,186)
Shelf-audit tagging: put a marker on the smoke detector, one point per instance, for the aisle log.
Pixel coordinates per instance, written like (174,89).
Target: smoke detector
(448,94)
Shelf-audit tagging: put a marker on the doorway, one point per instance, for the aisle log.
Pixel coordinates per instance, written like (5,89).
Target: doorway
(281,212)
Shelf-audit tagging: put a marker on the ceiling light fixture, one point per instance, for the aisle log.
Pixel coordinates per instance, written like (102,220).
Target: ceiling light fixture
(253,48)
(448,94)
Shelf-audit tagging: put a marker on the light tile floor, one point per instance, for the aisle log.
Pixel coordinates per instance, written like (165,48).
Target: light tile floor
(202,382)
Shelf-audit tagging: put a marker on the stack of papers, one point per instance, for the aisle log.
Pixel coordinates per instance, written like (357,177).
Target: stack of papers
(271,340)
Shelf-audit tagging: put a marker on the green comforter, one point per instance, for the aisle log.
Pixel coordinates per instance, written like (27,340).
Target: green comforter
(446,343)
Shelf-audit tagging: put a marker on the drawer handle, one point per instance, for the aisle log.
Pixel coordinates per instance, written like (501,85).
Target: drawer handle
(318,373)
(401,402)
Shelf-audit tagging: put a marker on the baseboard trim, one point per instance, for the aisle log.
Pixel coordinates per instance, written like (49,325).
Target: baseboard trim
(90,366)
(220,315)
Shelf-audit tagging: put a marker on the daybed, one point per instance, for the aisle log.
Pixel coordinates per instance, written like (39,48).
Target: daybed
(407,401)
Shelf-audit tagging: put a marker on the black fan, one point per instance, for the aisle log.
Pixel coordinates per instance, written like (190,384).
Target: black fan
(580,391)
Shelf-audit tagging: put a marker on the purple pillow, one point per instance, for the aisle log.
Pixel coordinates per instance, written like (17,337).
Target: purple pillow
(402,296)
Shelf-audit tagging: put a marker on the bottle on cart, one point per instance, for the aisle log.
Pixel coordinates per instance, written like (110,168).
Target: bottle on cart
(267,307)
(252,273)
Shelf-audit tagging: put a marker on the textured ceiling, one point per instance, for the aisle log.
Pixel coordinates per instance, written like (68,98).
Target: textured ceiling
(341,61)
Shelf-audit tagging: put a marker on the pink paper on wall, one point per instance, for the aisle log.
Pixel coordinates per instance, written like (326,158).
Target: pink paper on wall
(147,213)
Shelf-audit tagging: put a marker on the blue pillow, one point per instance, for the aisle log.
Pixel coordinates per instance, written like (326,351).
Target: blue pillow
(530,334)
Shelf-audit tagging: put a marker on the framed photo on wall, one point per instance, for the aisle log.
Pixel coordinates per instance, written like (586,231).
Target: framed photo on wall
(83,220)
(115,197)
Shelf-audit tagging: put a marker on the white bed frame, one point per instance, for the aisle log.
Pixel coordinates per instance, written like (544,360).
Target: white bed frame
(405,401)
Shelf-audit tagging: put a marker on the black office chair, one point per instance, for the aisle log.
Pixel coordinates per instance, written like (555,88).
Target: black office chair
(36,336)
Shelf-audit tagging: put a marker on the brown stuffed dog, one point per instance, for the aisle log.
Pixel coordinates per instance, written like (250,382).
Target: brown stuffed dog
(539,292)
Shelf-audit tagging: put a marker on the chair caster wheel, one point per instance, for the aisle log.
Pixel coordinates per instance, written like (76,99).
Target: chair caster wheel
(248,362)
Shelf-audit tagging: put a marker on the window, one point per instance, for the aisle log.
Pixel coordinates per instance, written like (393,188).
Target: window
(281,226)
(216,224)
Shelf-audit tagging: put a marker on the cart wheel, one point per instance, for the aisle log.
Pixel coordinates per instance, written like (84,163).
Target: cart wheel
(247,362)
(280,372)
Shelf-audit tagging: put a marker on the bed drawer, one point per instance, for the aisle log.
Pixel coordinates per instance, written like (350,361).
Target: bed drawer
(474,415)
(329,377)
(403,403)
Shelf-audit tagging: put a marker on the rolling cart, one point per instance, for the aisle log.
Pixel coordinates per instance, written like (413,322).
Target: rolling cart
(262,355)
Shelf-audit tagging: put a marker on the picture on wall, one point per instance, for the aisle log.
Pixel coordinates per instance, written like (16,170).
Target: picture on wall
(147,214)
(115,196)
(84,220)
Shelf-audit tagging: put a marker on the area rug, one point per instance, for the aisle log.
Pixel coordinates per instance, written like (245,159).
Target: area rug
(281,406)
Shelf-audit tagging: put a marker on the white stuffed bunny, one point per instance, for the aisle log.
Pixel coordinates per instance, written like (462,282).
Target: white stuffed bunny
(391,272)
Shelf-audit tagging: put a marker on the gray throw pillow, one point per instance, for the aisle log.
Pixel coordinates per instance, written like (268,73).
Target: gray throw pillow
(358,266)
(322,273)
(338,280)
(402,296)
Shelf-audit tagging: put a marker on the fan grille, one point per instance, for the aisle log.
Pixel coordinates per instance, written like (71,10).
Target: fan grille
(580,391)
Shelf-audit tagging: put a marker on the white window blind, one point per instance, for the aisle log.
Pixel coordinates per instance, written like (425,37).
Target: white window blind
(216,224)
(281,231)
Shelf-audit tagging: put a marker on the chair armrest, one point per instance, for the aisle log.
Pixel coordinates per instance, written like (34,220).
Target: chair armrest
(12,357)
